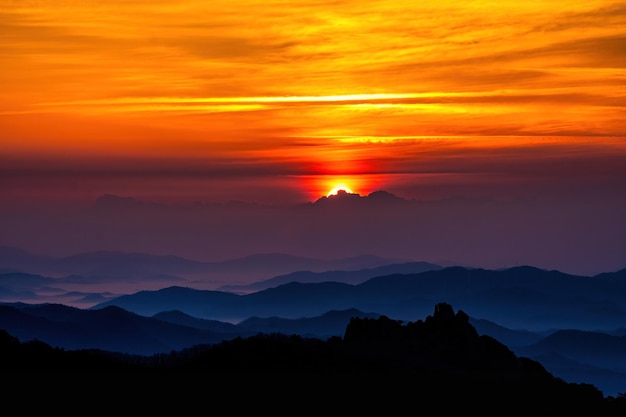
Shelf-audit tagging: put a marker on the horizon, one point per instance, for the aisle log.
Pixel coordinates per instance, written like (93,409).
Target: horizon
(387,261)
(111,205)
(245,228)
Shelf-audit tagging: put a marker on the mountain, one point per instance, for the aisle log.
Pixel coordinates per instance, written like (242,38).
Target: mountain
(617,275)
(124,332)
(518,306)
(112,329)
(118,271)
(583,356)
(609,380)
(510,337)
(347,277)
(330,324)
(19,281)
(485,232)
(115,329)
(591,347)
(345,199)
(518,298)
(439,363)
(35,288)
(182,319)
(13,259)
(573,355)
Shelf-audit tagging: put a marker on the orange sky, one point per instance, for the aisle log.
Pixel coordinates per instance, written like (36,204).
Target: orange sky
(281,99)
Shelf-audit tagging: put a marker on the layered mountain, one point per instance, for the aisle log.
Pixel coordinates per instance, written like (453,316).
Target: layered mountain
(347,277)
(118,330)
(482,231)
(440,363)
(121,272)
(520,298)
(111,328)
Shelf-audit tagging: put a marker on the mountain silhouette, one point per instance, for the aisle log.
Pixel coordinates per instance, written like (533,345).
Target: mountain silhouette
(520,298)
(581,358)
(486,232)
(112,328)
(594,348)
(330,324)
(379,364)
(112,269)
(343,276)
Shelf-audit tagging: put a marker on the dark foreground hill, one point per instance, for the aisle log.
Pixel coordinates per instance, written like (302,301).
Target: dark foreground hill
(440,363)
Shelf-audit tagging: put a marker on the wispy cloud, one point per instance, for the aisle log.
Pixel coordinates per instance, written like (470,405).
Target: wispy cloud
(311,86)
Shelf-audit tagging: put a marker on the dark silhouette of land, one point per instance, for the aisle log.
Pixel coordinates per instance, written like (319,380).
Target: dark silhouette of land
(571,324)
(379,364)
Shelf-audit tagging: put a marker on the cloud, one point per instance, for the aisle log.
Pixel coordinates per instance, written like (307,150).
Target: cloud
(283,89)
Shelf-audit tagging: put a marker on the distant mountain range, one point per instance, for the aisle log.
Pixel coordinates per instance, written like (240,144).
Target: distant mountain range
(573,324)
(108,263)
(113,268)
(484,231)
(520,297)
(117,330)
(346,277)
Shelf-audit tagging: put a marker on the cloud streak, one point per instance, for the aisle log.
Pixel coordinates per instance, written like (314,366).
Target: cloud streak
(314,88)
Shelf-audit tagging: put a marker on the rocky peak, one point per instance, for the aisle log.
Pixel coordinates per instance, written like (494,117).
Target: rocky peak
(445,340)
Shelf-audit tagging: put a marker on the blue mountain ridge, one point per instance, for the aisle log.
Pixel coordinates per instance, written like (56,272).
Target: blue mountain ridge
(520,297)
(527,308)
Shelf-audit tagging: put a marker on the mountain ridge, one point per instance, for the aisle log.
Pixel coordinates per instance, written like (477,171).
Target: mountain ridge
(114,328)
(119,266)
(564,299)
(345,276)
(429,360)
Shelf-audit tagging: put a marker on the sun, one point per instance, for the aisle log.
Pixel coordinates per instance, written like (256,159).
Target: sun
(338,188)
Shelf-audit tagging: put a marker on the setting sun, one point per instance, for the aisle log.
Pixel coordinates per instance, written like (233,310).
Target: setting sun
(338,188)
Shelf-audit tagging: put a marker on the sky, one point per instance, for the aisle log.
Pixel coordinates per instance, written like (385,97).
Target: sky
(279,102)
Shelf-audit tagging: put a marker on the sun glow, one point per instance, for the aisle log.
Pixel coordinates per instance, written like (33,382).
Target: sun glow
(338,188)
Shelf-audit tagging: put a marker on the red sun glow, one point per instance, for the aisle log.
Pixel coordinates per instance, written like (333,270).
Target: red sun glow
(338,188)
